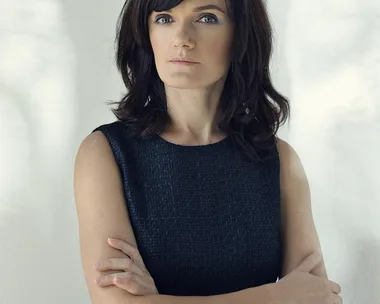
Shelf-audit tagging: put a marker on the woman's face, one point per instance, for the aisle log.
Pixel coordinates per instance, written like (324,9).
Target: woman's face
(195,30)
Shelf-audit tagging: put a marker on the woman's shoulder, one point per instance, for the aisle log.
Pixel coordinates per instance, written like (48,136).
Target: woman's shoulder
(117,126)
(293,174)
(95,144)
(286,152)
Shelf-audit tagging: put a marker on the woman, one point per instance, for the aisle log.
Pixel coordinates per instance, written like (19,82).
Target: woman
(188,178)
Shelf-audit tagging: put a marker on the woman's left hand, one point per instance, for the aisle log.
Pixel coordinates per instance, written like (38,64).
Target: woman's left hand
(133,276)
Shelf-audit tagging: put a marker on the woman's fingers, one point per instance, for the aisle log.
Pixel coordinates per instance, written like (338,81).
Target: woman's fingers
(124,247)
(109,279)
(335,287)
(132,274)
(125,264)
(337,299)
(136,285)
(128,249)
(128,281)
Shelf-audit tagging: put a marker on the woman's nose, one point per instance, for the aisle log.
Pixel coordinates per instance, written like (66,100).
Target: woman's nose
(184,38)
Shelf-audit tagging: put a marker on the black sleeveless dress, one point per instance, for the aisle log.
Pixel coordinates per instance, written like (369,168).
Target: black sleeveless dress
(206,220)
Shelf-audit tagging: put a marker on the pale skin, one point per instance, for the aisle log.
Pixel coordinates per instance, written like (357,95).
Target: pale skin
(193,92)
(192,32)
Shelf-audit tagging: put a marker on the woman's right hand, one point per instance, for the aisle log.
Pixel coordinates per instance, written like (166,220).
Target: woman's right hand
(301,287)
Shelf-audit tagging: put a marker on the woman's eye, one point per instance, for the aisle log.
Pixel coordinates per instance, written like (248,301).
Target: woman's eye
(162,19)
(209,19)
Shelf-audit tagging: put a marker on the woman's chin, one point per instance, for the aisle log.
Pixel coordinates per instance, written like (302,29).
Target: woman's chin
(184,84)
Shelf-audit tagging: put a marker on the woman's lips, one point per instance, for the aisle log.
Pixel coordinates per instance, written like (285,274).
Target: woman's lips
(183,62)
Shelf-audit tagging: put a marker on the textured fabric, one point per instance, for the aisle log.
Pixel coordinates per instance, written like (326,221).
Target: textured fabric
(206,220)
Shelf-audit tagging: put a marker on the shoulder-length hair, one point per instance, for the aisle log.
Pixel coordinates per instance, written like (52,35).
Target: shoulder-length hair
(252,110)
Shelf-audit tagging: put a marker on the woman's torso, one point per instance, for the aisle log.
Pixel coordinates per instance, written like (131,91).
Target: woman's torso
(206,220)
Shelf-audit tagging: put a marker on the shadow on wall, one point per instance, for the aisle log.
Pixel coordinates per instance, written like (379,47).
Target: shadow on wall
(335,63)
(37,115)
(57,73)
(365,276)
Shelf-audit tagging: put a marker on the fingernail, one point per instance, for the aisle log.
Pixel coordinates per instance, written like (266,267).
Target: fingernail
(97,265)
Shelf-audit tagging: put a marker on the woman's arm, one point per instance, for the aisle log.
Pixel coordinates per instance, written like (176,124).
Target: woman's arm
(298,230)
(102,213)
(257,295)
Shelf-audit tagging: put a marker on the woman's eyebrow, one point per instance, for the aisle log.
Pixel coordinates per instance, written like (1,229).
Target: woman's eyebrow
(205,7)
(208,7)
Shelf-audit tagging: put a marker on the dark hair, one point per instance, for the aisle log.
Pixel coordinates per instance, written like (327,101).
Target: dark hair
(252,110)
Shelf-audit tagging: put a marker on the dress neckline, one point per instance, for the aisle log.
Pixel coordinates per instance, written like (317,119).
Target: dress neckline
(215,144)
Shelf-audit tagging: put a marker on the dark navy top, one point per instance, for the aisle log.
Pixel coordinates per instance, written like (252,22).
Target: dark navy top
(206,220)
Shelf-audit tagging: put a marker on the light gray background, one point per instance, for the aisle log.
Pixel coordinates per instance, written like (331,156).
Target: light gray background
(56,72)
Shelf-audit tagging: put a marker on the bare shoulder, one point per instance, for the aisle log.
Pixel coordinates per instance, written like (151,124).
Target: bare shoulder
(292,174)
(281,144)
(288,155)
(101,211)
(290,164)
(94,145)
(95,165)
(96,139)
